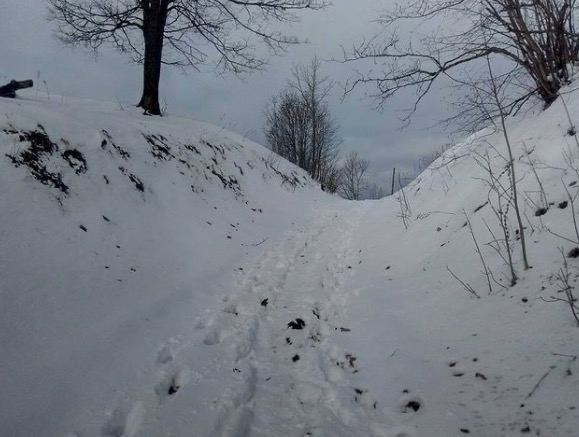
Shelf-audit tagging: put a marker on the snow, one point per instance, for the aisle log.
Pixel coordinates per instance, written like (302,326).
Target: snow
(189,283)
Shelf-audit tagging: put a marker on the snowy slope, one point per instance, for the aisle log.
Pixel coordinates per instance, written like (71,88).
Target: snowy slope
(501,365)
(185,283)
(118,231)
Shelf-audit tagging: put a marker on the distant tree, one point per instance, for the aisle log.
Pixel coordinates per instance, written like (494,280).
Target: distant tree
(375,191)
(288,128)
(177,32)
(314,89)
(353,172)
(299,126)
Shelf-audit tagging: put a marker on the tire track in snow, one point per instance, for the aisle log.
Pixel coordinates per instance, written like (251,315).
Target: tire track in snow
(297,380)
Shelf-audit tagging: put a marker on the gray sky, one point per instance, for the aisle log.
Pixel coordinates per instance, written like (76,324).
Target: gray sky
(28,48)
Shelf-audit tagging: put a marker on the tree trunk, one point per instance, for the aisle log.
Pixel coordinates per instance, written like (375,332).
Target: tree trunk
(154,19)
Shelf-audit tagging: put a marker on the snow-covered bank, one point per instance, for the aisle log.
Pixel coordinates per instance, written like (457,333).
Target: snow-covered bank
(118,232)
(504,364)
(163,277)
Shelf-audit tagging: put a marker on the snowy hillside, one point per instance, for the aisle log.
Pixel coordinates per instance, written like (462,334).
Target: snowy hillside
(118,232)
(162,277)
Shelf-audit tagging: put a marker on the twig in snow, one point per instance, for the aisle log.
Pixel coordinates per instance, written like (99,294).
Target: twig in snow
(572,204)
(572,131)
(539,383)
(532,164)
(572,357)
(465,285)
(482,260)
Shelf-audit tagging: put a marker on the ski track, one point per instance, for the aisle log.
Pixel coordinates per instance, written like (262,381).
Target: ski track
(296,380)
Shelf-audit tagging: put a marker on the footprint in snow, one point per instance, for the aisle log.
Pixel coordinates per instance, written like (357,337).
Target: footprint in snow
(456,369)
(201,324)
(231,309)
(125,421)
(172,382)
(400,431)
(168,351)
(213,337)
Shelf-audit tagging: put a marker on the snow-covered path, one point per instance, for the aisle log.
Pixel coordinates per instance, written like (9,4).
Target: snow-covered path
(293,385)
(330,331)
(277,337)
(267,361)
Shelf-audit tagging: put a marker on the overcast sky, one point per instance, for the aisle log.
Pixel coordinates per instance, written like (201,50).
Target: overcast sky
(28,48)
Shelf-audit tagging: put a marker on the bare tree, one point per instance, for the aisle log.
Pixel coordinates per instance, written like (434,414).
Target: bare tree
(536,40)
(287,128)
(353,172)
(314,89)
(177,32)
(300,128)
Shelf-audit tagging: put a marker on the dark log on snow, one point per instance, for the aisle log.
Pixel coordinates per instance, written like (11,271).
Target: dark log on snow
(9,90)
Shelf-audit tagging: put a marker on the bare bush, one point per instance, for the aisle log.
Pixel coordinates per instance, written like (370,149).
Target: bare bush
(332,177)
(465,285)
(500,201)
(563,278)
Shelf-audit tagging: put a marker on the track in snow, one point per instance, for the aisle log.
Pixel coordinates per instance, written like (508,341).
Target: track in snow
(268,360)
(291,302)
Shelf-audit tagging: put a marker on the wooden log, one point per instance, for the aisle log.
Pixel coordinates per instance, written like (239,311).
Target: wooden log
(9,90)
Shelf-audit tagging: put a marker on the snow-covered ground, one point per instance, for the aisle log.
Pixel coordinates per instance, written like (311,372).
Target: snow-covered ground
(163,277)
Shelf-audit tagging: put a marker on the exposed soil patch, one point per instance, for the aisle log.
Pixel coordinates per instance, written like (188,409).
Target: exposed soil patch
(296,324)
(134,179)
(109,140)
(35,155)
(76,160)
(412,405)
(229,182)
(159,147)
